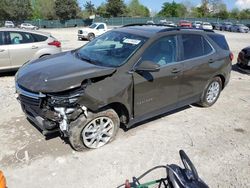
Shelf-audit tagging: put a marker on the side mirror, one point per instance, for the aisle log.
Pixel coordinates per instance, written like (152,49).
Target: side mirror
(147,66)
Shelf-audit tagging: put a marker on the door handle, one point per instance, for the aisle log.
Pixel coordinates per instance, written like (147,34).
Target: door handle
(210,61)
(175,70)
(34,47)
(2,50)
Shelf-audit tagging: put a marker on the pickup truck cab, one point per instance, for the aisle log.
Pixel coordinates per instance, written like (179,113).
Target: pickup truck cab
(92,31)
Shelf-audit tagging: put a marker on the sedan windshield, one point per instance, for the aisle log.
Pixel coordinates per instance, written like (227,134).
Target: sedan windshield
(111,49)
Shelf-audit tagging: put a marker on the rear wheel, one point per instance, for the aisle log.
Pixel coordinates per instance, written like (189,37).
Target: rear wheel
(211,93)
(95,131)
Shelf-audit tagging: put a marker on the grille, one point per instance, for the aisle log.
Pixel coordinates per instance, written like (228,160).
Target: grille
(29,101)
(80,31)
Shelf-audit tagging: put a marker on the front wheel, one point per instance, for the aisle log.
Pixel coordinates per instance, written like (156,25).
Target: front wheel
(211,93)
(91,36)
(95,131)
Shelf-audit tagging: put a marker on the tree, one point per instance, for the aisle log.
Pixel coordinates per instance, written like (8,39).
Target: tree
(115,7)
(173,10)
(15,10)
(66,9)
(102,11)
(44,9)
(235,13)
(89,7)
(137,9)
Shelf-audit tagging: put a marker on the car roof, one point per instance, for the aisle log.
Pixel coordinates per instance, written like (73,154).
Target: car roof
(152,30)
(27,31)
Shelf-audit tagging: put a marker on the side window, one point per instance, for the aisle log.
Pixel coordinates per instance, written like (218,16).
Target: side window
(1,38)
(100,26)
(21,38)
(206,47)
(39,38)
(16,38)
(162,52)
(195,46)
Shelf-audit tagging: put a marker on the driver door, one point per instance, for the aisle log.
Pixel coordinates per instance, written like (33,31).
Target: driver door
(156,92)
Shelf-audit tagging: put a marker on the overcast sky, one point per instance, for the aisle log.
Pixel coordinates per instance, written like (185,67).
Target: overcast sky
(155,5)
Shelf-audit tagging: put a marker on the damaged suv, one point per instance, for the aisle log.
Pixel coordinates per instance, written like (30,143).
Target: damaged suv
(124,76)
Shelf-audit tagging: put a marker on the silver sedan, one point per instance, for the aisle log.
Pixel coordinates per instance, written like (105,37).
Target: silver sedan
(18,46)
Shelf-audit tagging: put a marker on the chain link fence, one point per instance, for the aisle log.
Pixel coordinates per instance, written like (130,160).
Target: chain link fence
(118,21)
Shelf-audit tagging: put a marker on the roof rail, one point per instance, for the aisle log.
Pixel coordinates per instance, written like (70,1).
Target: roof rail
(144,24)
(186,28)
(169,27)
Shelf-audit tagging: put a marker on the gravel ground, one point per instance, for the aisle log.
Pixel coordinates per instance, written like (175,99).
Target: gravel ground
(217,139)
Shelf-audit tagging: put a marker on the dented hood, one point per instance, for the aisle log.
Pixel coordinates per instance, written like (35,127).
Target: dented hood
(58,73)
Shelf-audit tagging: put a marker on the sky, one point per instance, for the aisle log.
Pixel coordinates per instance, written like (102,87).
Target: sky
(155,5)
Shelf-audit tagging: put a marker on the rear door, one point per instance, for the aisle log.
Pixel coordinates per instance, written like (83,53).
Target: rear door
(153,91)
(4,52)
(198,57)
(22,47)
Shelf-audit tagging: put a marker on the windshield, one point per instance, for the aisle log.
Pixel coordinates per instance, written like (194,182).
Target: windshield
(92,26)
(111,49)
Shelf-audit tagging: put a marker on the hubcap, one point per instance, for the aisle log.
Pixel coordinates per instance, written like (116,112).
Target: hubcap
(213,92)
(98,132)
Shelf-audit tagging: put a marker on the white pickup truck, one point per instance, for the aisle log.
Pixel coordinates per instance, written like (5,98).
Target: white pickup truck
(92,31)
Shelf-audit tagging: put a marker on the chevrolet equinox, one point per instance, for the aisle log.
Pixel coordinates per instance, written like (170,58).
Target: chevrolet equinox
(124,76)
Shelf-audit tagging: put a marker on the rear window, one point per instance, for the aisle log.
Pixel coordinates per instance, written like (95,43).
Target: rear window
(220,41)
(39,38)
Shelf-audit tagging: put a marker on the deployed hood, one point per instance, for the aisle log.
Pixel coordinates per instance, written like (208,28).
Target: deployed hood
(58,73)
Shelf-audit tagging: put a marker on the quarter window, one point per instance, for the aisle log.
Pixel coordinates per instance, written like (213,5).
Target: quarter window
(162,52)
(195,46)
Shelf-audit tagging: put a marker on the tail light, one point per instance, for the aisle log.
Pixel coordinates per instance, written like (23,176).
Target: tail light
(2,180)
(127,184)
(231,56)
(55,43)
(240,56)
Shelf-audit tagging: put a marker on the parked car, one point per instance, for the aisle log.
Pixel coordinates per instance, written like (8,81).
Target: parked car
(150,22)
(28,26)
(126,75)
(167,23)
(243,60)
(239,28)
(226,26)
(184,23)
(197,24)
(18,46)
(216,25)
(9,24)
(206,25)
(92,31)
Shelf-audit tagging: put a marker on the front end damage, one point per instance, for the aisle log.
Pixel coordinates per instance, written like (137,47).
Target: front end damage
(52,112)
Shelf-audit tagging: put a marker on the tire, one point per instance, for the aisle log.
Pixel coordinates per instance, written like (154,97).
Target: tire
(214,88)
(84,127)
(91,36)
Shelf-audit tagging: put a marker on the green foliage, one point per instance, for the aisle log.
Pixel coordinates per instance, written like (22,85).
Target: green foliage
(136,9)
(89,7)
(44,9)
(173,10)
(15,10)
(102,11)
(115,8)
(66,9)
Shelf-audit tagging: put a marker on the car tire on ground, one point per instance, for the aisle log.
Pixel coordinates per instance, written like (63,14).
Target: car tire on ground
(95,131)
(91,36)
(211,93)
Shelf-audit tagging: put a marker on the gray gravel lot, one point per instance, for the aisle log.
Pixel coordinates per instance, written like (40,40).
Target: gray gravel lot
(217,139)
